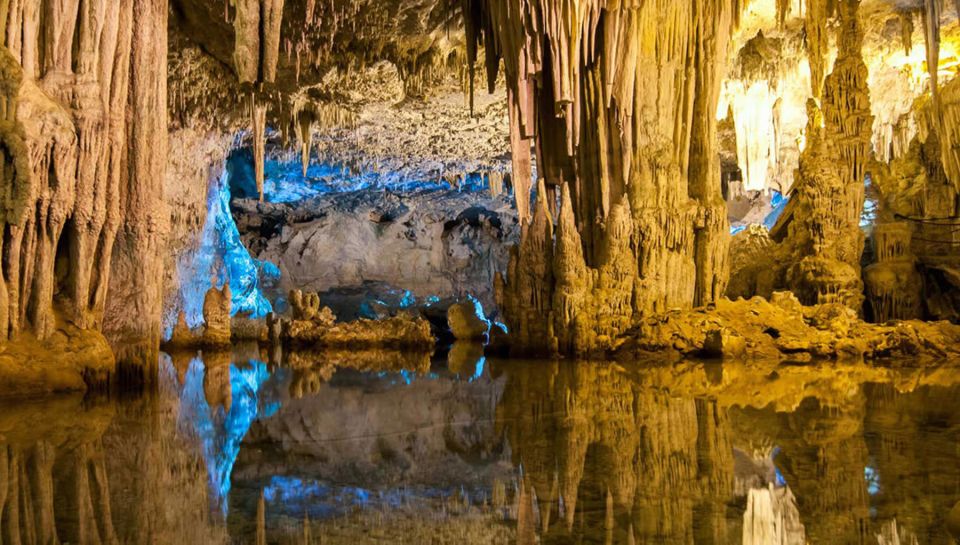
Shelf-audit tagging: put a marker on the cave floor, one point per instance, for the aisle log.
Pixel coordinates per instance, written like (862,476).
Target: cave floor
(388,448)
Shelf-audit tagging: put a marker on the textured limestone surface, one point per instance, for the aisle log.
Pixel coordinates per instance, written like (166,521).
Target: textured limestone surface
(313,326)
(783,329)
(439,242)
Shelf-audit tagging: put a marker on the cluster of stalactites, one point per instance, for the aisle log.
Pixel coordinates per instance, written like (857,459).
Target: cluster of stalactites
(256,26)
(69,70)
(618,100)
(567,64)
(943,114)
(893,285)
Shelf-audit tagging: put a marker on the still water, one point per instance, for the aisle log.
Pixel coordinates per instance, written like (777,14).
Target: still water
(389,448)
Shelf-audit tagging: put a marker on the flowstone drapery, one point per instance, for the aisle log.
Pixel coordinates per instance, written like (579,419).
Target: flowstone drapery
(84,132)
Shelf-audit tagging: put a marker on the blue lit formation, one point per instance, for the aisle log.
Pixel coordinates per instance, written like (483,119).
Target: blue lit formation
(221,257)
(284,181)
(870,206)
(779,202)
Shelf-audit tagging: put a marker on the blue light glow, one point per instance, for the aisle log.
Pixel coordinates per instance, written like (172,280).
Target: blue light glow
(873,480)
(478,310)
(870,206)
(221,257)
(779,204)
(284,181)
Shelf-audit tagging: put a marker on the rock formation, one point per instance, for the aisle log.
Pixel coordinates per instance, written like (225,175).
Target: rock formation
(314,327)
(619,100)
(84,134)
(783,329)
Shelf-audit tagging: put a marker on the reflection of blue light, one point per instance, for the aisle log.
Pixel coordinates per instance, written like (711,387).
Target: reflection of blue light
(479,372)
(221,257)
(502,326)
(873,480)
(734,229)
(220,433)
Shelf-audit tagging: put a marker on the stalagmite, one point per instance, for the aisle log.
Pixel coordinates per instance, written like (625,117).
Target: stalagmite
(823,248)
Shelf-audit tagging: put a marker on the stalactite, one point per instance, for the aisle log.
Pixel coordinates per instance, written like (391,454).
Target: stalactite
(246,51)
(906,31)
(258,123)
(271,18)
(817,42)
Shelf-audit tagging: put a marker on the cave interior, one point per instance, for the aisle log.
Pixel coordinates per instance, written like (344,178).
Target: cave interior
(639,271)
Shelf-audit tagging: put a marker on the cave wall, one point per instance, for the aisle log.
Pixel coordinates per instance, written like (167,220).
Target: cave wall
(84,149)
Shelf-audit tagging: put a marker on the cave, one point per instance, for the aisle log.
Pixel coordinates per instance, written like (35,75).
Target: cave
(480,271)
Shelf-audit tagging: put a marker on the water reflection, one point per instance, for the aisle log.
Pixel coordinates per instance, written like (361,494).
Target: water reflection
(387,447)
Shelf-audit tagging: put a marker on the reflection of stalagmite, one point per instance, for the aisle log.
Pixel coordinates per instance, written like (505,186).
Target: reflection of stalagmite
(616,459)
(526,516)
(217,388)
(261,520)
